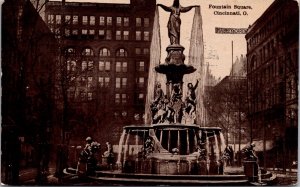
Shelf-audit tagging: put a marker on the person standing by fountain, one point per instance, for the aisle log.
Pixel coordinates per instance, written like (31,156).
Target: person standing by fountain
(174,20)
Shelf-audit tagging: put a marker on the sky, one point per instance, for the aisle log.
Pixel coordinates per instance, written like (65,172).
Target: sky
(217,47)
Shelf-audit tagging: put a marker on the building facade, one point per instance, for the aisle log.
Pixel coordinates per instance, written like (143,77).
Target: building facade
(105,50)
(272,76)
(28,55)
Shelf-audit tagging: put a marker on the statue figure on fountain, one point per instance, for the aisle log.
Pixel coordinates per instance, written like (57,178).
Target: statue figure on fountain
(109,155)
(190,103)
(87,162)
(147,148)
(248,152)
(174,20)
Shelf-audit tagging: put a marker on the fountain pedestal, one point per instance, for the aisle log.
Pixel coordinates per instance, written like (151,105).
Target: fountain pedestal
(251,170)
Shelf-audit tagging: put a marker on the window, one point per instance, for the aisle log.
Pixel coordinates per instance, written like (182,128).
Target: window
(141,96)
(138,22)
(90,65)
(124,82)
(119,21)
(92,33)
(126,21)
(126,35)
(83,65)
(118,66)
(83,96)
(141,82)
(137,51)
(107,66)
(138,35)
(141,66)
(124,98)
(84,20)
(92,20)
(124,67)
(83,80)
(146,36)
(146,22)
(109,21)
(84,32)
(58,19)
(104,52)
(68,19)
(121,66)
(117,99)
(101,81)
(87,52)
(118,82)
(108,35)
(121,53)
(75,32)
(101,66)
(106,81)
(101,34)
(67,32)
(57,33)
(90,82)
(70,51)
(75,20)
(102,20)
(146,51)
(90,96)
(51,19)
(71,65)
(118,35)
(104,66)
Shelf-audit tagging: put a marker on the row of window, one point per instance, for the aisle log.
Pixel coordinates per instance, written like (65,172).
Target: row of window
(93,20)
(105,52)
(266,52)
(120,82)
(266,99)
(120,98)
(266,29)
(104,66)
(102,34)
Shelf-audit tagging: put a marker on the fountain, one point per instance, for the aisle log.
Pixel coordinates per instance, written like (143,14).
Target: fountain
(173,148)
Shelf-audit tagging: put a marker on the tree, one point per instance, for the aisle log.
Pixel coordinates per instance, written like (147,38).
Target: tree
(226,107)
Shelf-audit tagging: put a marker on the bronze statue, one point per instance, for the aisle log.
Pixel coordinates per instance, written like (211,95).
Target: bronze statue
(174,20)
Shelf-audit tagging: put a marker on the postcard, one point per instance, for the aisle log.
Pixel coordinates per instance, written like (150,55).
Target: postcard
(149,92)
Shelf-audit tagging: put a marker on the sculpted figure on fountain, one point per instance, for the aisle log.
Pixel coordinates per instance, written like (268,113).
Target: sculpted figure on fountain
(174,20)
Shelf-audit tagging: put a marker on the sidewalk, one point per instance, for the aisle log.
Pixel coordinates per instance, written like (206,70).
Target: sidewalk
(280,171)
(27,176)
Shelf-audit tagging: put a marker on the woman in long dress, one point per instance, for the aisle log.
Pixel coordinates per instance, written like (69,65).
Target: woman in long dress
(174,20)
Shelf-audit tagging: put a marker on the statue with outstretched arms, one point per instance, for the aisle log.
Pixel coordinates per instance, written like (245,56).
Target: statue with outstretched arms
(174,20)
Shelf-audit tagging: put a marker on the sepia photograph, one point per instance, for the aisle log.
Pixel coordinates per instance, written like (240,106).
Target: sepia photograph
(149,92)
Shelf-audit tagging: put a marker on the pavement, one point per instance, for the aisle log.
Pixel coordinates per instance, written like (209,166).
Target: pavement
(27,176)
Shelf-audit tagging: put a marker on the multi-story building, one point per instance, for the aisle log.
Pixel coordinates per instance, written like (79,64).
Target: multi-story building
(105,48)
(272,76)
(29,51)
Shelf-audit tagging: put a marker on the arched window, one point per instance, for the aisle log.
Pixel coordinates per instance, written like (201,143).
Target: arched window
(88,52)
(104,52)
(121,52)
(70,51)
